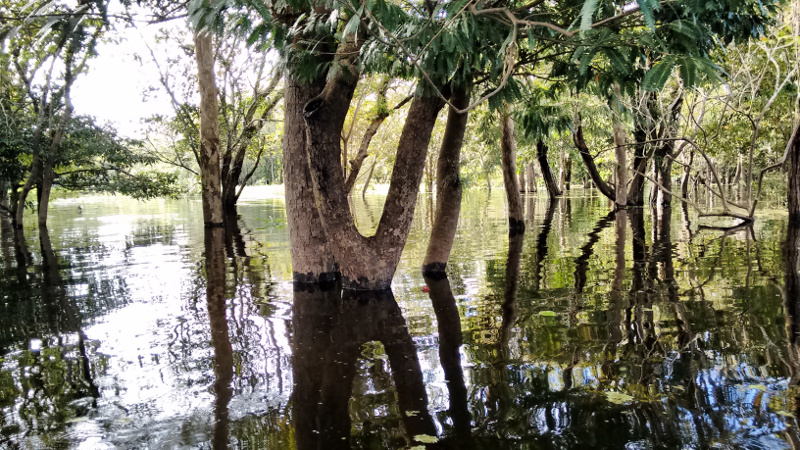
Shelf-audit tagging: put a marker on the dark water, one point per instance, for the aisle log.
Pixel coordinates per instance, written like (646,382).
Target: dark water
(129,327)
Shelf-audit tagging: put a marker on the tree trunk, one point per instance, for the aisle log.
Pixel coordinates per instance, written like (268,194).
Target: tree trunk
(365,262)
(448,186)
(547,175)
(37,167)
(621,169)
(4,206)
(508,148)
(312,261)
(663,166)
(521,181)
(794,181)
(209,157)
(530,177)
(591,167)
(636,192)
(48,175)
(568,173)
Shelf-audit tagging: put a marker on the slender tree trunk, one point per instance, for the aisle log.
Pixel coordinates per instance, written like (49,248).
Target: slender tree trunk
(521,181)
(448,187)
(591,167)
(312,261)
(568,173)
(4,196)
(547,175)
(209,157)
(530,177)
(621,169)
(48,176)
(508,148)
(663,166)
(636,192)
(37,167)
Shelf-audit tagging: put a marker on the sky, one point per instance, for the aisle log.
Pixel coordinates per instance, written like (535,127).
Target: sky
(112,89)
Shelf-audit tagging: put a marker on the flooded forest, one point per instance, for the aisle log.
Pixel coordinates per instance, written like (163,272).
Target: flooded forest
(399,224)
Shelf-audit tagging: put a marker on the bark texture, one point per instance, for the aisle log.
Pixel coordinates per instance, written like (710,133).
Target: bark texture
(508,148)
(550,181)
(209,156)
(448,186)
(312,261)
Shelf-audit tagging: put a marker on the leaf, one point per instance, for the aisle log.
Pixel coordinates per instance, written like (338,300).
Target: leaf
(647,8)
(657,76)
(618,61)
(547,313)
(352,25)
(587,14)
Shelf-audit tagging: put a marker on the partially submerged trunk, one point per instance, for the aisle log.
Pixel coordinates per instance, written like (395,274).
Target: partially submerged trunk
(37,167)
(568,173)
(312,261)
(591,167)
(365,262)
(663,169)
(523,186)
(209,157)
(508,149)
(530,177)
(448,186)
(547,175)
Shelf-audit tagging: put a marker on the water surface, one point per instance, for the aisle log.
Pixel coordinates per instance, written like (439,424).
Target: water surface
(130,326)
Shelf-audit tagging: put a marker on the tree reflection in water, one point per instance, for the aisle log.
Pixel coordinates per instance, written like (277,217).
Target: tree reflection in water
(330,326)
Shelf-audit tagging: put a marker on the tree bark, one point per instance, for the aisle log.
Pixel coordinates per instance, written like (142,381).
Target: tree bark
(568,173)
(312,260)
(523,186)
(547,175)
(448,186)
(209,157)
(508,148)
(591,167)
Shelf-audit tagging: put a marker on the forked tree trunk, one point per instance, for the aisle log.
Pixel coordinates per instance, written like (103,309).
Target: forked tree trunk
(508,159)
(37,167)
(209,157)
(591,167)
(365,262)
(547,175)
(448,186)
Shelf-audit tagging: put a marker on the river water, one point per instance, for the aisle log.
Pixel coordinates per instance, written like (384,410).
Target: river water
(127,326)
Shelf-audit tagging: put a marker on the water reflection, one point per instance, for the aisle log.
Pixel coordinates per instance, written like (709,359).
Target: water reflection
(593,329)
(330,327)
